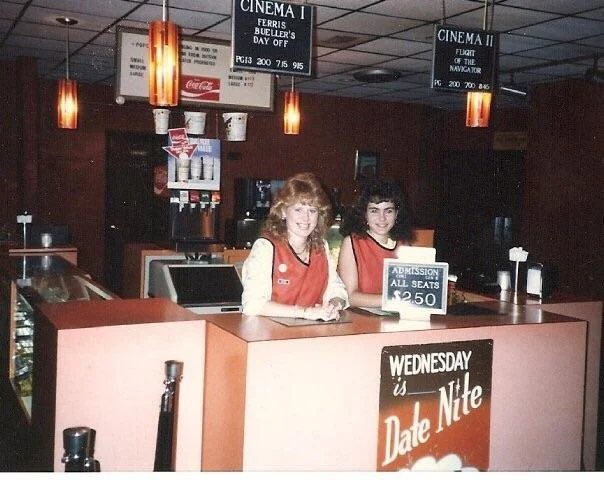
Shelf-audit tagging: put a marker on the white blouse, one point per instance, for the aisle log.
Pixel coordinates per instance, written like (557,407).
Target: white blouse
(257,278)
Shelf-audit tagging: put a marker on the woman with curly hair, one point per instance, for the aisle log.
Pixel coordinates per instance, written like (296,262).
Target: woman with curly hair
(373,230)
(290,271)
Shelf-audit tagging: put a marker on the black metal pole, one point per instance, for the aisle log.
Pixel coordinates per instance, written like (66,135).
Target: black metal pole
(168,416)
(78,443)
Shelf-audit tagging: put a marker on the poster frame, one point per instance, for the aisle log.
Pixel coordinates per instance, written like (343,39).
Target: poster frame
(266,104)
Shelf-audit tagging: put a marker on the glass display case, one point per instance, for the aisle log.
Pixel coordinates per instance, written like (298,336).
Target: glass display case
(27,281)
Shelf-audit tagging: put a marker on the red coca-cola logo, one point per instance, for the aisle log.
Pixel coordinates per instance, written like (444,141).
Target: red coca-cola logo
(179,139)
(204,88)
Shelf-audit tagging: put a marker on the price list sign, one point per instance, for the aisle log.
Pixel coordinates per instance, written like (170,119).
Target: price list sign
(272,36)
(415,286)
(463,60)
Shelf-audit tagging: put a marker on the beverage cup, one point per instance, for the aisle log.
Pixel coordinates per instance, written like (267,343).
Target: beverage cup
(161,117)
(182,174)
(504,279)
(196,168)
(46,240)
(195,122)
(235,126)
(182,167)
(208,168)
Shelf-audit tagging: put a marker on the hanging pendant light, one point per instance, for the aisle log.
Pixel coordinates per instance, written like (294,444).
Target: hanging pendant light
(164,62)
(478,109)
(478,104)
(67,100)
(291,112)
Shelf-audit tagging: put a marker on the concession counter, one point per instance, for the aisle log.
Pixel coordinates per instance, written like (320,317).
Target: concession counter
(259,395)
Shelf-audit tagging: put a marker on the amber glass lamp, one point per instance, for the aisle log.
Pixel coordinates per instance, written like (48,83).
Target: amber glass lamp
(164,62)
(478,109)
(291,112)
(67,99)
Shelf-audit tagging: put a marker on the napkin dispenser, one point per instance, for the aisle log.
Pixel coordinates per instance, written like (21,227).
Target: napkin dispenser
(541,279)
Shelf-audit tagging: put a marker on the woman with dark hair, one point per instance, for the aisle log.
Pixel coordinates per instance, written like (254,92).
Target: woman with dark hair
(373,229)
(289,271)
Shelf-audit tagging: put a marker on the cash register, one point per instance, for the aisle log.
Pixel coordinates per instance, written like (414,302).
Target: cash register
(199,286)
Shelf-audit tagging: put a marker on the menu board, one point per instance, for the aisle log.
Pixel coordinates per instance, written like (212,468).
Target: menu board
(205,74)
(463,60)
(272,36)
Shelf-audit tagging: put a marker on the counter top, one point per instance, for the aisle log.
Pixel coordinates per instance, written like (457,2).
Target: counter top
(16,267)
(98,313)
(258,329)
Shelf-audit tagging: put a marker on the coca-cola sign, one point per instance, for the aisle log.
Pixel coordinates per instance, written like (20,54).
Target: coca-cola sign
(203,88)
(178,136)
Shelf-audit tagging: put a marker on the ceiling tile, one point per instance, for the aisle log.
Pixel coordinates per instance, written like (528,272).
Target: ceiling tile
(370,24)
(561,51)
(353,57)
(183,18)
(107,8)
(427,10)
(223,7)
(48,16)
(424,34)
(409,64)
(564,29)
(595,41)
(346,4)
(328,68)
(53,32)
(597,14)
(324,14)
(557,6)
(512,42)
(33,43)
(9,11)
(391,46)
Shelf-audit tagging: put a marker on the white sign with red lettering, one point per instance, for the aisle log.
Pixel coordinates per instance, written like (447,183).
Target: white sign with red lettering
(206,76)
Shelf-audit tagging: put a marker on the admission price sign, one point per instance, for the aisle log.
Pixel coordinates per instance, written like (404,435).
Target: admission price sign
(272,36)
(420,287)
(463,60)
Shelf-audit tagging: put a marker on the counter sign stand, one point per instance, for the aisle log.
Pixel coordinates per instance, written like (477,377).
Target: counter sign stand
(415,290)
(272,36)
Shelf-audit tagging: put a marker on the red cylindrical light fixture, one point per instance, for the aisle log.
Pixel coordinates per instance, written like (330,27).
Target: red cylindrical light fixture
(164,64)
(67,104)
(478,109)
(291,113)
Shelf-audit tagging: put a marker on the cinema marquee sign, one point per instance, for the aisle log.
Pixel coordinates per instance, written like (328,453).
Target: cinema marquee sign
(464,60)
(272,36)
